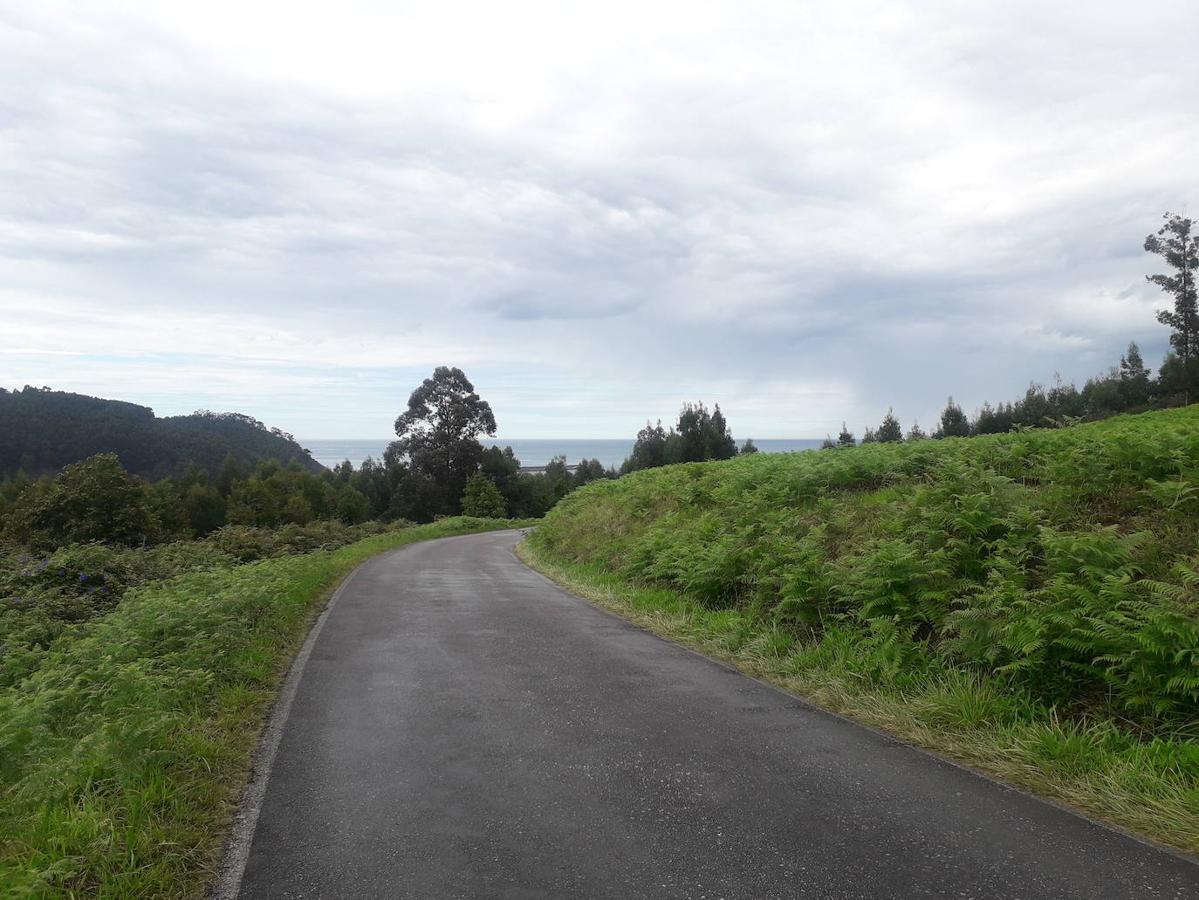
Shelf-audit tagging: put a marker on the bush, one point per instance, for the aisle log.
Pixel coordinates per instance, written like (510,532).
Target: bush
(94,500)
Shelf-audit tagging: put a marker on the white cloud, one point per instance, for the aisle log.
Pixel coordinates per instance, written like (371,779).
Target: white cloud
(807,213)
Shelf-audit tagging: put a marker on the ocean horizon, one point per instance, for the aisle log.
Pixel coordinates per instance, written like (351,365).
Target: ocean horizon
(530,451)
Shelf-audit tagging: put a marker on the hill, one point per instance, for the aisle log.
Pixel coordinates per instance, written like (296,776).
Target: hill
(43,430)
(1028,602)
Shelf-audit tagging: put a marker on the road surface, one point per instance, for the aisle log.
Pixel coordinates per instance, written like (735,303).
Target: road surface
(464,728)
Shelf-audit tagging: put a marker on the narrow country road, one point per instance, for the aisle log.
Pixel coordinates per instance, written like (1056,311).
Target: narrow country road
(463,728)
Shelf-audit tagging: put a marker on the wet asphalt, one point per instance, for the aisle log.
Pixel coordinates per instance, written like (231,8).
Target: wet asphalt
(463,728)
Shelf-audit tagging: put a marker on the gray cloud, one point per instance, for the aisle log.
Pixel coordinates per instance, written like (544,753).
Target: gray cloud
(806,214)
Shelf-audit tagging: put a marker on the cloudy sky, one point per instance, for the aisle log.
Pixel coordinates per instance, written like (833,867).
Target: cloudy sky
(807,212)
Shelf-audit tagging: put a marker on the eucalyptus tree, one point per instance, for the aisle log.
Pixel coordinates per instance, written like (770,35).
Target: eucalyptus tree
(438,439)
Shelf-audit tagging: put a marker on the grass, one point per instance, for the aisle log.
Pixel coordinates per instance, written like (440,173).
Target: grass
(1027,604)
(123,753)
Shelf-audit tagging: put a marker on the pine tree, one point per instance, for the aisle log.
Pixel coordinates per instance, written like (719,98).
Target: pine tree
(845,438)
(749,447)
(889,432)
(916,433)
(953,421)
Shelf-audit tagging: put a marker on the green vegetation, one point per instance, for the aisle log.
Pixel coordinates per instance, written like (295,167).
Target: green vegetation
(437,465)
(43,430)
(482,497)
(1027,602)
(62,452)
(144,626)
(133,684)
(698,436)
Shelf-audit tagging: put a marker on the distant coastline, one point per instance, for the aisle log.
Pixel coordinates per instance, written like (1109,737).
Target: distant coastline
(611,452)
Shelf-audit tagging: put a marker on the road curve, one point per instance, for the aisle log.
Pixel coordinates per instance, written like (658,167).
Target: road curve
(464,728)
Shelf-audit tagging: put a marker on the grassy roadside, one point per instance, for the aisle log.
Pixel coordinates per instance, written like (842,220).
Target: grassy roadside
(121,756)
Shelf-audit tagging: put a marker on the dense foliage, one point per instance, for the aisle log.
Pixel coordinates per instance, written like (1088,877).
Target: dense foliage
(697,436)
(1062,564)
(43,430)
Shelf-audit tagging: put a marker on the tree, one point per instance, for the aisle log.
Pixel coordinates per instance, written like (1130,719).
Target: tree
(953,421)
(649,449)
(916,433)
(438,435)
(748,447)
(1176,245)
(704,436)
(352,505)
(204,509)
(231,473)
(482,498)
(988,421)
(718,443)
(870,437)
(94,500)
(700,436)
(557,477)
(589,470)
(889,432)
(1134,378)
(828,443)
(846,438)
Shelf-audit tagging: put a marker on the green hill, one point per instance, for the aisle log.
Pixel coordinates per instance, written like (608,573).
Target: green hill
(1028,601)
(42,430)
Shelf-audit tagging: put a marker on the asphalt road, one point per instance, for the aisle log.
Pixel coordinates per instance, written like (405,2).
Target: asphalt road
(464,728)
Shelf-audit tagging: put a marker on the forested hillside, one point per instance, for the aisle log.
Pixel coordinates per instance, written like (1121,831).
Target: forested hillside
(43,430)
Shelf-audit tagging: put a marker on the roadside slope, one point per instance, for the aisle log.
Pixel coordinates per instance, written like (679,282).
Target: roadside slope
(1026,603)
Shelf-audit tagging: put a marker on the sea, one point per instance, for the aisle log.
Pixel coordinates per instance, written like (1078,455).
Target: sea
(530,451)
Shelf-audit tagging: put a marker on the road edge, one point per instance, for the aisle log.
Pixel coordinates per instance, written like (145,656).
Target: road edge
(236,851)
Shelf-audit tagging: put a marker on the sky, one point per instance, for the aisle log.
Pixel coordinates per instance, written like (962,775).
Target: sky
(806,212)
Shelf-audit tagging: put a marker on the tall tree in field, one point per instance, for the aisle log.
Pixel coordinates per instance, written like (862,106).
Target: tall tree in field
(1175,244)
(439,436)
(846,438)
